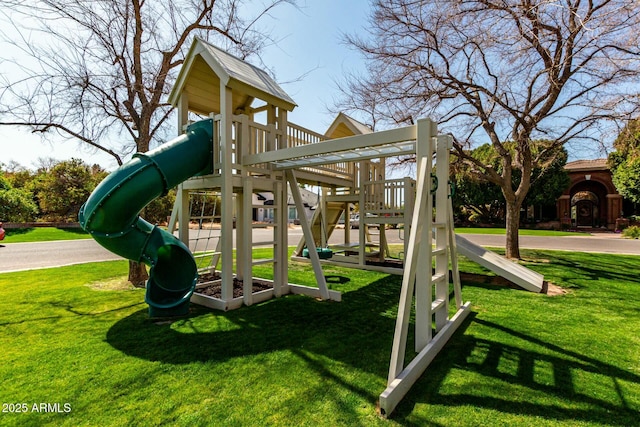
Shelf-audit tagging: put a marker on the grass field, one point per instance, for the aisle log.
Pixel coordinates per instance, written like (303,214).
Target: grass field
(43,234)
(78,340)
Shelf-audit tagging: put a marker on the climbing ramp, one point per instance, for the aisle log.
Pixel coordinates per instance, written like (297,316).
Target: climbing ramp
(516,273)
(322,223)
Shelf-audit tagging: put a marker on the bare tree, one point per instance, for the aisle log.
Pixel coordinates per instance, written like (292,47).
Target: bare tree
(504,72)
(95,71)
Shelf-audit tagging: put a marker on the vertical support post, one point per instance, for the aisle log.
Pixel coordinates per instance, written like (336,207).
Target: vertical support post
(442,219)
(226,190)
(382,202)
(308,236)
(280,252)
(180,210)
(281,255)
(453,253)
(271,120)
(183,112)
(347,223)
(240,236)
(282,128)
(426,130)
(183,215)
(244,241)
(323,219)
(362,238)
(243,138)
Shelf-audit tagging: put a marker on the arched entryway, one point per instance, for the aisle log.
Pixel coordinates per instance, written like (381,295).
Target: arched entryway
(591,200)
(585,207)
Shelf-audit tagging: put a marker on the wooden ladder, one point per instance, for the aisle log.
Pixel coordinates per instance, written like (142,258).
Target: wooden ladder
(425,282)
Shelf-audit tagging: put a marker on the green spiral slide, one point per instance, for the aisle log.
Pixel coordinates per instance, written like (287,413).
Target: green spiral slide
(111,216)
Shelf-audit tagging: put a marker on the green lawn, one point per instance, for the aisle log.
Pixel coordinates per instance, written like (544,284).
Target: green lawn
(78,336)
(43,234)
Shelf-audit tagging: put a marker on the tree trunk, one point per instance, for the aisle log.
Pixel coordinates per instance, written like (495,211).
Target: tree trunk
(137,270)
(137,274)
(512,249)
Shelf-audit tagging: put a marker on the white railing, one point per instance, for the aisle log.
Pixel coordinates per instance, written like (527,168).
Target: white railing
(249,137)
(387,197)
(297,136)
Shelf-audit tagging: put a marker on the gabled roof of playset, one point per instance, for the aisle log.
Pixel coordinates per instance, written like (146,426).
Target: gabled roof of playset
(206,65)
(344,125)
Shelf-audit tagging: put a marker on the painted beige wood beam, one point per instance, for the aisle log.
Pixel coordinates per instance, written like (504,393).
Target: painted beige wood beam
(405,379)
(308,236)
(244,257)
(396,364)
(425,148)
(226,190)
(334,146)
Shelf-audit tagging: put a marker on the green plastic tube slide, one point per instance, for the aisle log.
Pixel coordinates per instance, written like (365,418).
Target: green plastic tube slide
(111,216)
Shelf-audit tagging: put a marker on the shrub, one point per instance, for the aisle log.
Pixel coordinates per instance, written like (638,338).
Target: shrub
(632,232)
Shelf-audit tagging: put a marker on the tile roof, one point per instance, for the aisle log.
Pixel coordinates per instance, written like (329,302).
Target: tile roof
(585,165)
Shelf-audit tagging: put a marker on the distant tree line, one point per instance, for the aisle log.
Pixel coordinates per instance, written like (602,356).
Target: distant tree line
(56,190)
(625,162)
(477,200)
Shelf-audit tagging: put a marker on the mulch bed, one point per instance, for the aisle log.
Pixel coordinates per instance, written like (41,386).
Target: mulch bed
(548,288)
(215,289)
(387,263)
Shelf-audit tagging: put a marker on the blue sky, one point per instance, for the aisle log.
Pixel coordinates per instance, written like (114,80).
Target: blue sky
(310,45)
(310,42)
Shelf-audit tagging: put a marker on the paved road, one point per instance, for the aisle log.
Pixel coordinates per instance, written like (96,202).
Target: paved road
(25,256)
(597,243)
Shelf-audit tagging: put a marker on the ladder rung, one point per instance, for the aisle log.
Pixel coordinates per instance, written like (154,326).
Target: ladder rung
(441,251)
(439,225)
(437,278)
(262,261)
(437,304)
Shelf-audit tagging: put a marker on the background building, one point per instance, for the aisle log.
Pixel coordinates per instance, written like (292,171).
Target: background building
(591,200)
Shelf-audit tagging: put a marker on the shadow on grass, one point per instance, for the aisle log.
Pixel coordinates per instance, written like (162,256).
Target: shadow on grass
(359,332)
(573,270)
(19,231)
(291,322)
(518,367)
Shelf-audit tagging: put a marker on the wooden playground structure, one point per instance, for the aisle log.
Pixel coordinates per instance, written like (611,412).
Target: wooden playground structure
(255,148)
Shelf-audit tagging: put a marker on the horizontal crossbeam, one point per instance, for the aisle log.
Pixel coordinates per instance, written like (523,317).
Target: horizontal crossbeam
(397,149)
(313,152)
